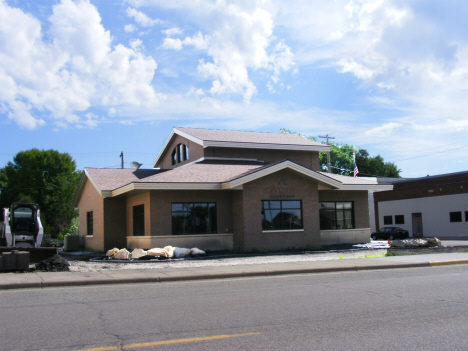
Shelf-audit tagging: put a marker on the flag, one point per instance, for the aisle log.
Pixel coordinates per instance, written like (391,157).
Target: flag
(356,171)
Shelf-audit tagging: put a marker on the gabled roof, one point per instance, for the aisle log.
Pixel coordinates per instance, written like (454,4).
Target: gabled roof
(210,176)
(241,139)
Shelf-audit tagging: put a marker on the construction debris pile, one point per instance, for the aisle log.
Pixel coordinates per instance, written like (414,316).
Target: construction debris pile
(53,264)
(428,242)
(166,252)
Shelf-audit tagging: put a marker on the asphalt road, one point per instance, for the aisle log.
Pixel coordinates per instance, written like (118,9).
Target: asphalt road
(404,309)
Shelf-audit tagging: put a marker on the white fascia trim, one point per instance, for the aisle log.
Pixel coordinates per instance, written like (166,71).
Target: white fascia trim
(266,146)
(166,186)
(368,187)
(279,167)
(168,140)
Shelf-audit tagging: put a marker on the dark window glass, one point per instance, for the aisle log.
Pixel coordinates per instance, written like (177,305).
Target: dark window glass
(281,215)
(89,223)
(194,218)
(174,156)
(336,215)
(455,216)
(466,216)
(179,154)
(387,220)
(139,220)
(400,219)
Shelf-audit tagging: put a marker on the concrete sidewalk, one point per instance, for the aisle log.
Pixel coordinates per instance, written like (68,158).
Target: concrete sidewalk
(161,275)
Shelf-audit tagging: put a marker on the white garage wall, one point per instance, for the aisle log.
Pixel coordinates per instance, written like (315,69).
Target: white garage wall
(435,214)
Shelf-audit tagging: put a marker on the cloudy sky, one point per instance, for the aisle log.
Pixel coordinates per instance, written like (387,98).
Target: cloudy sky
(97,77)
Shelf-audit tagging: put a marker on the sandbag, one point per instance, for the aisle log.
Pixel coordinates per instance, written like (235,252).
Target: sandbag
(112,253)
(137,253)
(194,251)
(181,252)
(122,254)
(411,243)
(421,242)
(433,242)
(398,243)
(170,251)
(157,252)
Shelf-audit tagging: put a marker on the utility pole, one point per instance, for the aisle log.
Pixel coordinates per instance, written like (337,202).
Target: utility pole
(328,152)
(121,156)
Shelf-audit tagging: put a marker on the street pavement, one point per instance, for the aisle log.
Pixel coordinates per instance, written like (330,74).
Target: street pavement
(62,279)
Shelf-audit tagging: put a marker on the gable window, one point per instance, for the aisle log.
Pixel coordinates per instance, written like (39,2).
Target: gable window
(399,219)
(281,215)
(89,223)
(455,216)
(179,154)
(387,220)
(139,220)
(194,218)
(336,215)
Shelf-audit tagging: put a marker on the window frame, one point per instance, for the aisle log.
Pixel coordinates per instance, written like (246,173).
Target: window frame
(335,218)
(282,219)
(138,217)
(456,219)
(193,215)
(388,220)
(89,223)
(399,222)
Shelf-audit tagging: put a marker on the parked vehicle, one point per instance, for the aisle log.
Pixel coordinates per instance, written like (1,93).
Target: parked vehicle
(22,226)
(390,233)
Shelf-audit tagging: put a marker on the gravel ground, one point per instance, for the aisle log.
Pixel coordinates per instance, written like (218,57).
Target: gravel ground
(88,266)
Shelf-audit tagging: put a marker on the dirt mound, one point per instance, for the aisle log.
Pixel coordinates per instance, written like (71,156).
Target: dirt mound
(54,264)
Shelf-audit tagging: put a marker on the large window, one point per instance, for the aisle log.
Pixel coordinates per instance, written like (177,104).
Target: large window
(179,154)
(89,223)
(336,215)
(194,218)
(399,219)
(281,215)
(455,216)
(387,220)
(139,220)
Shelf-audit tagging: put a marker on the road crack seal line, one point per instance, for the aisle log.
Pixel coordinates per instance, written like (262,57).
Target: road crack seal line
(100,317)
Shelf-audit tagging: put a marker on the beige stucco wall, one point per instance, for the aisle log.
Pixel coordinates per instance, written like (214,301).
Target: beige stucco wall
(91,200)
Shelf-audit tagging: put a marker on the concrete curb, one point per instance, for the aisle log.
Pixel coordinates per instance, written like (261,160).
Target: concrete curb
(160,277)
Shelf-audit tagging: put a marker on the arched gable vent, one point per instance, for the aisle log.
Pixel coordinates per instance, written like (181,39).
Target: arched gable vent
(179,154)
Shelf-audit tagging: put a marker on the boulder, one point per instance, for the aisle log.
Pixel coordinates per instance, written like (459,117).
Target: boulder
(112,253)
(122,254)
(194,251)
(137,253)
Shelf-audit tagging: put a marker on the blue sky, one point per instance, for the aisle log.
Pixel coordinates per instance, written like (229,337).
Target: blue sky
(95,78)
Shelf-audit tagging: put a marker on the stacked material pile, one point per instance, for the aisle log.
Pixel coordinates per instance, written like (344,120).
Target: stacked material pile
(428,242)
(140,254)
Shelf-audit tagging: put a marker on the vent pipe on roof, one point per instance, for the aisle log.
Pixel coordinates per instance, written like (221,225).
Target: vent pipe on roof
(135,165)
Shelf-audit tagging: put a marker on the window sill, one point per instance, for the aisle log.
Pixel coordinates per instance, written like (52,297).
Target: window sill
(282,231)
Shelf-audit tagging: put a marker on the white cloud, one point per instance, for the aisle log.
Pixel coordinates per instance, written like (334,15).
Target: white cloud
(129,28)
(384,130)
(172,31)
(237,37)
(141,18)
(78,68)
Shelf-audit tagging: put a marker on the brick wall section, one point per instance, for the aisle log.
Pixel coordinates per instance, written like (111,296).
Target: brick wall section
(141,199)
(430,187)
(309,159)
(161,209)
(238,218)
(195,152)
(91,200)
(296,188)
(361,204)
(115,223)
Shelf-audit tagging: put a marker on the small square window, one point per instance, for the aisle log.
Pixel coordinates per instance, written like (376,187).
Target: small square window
(388,220)
(455,216)
(400,219)
(89,223)
(466,216)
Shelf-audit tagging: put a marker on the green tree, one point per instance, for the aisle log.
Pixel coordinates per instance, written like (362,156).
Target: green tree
(341,161)
(48,178)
